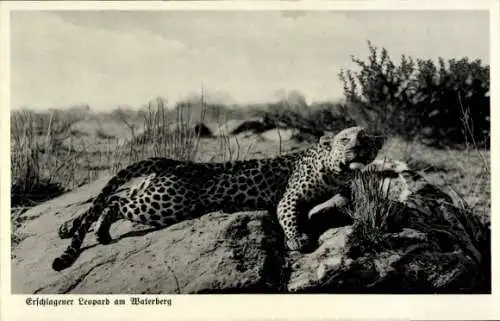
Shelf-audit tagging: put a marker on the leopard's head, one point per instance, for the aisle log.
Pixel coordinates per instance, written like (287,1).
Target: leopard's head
(351,147)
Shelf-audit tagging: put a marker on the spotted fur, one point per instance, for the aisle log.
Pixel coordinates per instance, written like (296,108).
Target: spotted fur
(178,190)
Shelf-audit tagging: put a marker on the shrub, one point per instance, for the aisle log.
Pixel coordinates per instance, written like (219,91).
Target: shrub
(445,103)
(40,167)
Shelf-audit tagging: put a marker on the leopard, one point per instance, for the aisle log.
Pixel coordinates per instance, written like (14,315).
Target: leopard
(178,190)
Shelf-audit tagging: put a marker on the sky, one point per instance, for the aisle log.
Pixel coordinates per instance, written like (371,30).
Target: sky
(108,59)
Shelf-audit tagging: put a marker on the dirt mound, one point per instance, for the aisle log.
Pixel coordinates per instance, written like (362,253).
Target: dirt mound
(277,135)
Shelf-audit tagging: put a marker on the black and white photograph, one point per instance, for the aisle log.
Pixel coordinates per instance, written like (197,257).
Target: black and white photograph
(270,151)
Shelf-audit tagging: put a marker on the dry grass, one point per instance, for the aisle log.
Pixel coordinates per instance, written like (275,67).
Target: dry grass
(58,150)
(55,151)
(463,173)
(37,157)
(161,135)
(445,229)
(371,206)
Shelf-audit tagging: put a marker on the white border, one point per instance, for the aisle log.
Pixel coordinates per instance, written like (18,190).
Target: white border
(285,307)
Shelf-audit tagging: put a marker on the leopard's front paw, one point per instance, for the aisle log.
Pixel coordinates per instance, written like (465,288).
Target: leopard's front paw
(299,243)
(356,166)
(337,201)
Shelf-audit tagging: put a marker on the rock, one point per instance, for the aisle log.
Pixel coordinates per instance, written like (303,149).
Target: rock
(252,125)
(306,269)
(426,245)
(401,251)
(411,257)
(432,249)
(217,253)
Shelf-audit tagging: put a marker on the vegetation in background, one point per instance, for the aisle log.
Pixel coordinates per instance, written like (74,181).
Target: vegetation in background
(310,121)
(445,103)
(419,104)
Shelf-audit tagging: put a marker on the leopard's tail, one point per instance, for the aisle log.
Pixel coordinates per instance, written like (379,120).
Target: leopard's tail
(68,228)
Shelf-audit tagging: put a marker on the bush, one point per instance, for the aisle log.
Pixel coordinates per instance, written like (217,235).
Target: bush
(40,168)
(310,120)
(443,103)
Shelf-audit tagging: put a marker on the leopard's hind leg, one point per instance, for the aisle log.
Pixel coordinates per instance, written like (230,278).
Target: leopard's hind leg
(110,215)
(129,209)
(163,202)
